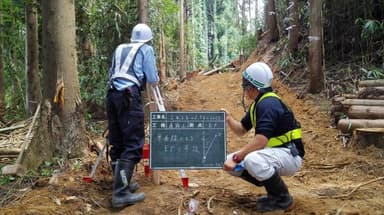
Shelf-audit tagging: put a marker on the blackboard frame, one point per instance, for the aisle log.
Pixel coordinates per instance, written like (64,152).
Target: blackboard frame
(203,135)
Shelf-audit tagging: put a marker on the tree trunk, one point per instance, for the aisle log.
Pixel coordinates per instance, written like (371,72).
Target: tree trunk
(143,11)
(163,56)
(243,20)
(349,125)
(315,51)
(273,30)
(61,130)
(182,58)
(2,83)
(33,94)
(293,29)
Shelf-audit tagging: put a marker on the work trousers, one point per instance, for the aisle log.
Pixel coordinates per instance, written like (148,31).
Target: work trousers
(126,124)
(262,164)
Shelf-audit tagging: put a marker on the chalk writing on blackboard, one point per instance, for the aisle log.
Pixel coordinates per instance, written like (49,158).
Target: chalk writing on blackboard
(194,140)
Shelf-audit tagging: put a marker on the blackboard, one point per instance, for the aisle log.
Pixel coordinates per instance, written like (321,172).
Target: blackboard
(187,140)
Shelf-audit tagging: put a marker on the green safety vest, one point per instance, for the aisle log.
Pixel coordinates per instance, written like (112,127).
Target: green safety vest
(279,140)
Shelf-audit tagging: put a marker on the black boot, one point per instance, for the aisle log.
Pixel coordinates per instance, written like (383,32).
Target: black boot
(247,177)
(133,186)
(278,197)
(121,196)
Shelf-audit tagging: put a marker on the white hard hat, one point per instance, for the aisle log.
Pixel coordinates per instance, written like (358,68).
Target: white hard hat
(259,75)
(141,33)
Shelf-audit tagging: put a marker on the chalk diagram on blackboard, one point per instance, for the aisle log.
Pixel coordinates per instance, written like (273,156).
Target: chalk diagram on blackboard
(207,146)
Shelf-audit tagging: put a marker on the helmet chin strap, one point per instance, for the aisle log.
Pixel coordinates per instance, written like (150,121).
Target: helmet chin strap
(243,102)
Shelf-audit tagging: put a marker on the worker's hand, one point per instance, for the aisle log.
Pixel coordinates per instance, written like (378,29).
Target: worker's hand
(229,165)
(228,114)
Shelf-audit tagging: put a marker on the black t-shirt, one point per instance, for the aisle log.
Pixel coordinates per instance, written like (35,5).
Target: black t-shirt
(273,118)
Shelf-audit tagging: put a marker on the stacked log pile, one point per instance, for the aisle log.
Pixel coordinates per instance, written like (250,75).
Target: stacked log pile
(11,140)
(364,111)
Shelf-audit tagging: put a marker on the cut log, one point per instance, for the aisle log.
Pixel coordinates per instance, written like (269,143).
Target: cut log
(347,103)
(365,112)
(369,136)
(217,69)
(371,93)
(371,83)
(349,125)
(337,100)
(362,102)
(376,88)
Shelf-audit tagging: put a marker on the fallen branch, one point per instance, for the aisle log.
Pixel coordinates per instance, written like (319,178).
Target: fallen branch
(180,206)
(357,187)
(328,166)
(27,139)
(12,128)
(217,69)
(210,209)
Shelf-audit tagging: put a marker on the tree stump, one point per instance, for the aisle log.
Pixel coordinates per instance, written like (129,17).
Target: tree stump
(369,136)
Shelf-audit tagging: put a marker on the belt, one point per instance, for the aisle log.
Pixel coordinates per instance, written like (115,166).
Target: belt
(129,88)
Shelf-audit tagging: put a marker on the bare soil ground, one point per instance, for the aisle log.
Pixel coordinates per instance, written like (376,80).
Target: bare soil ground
(333,180)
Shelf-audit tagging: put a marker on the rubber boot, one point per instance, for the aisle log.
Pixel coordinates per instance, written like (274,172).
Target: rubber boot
(121,196)
(247,177)
(133,186)
(278,197)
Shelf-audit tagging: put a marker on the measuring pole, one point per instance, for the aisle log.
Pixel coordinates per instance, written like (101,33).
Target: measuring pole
(160,106)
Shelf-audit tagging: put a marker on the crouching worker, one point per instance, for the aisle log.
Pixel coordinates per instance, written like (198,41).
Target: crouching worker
(133,65)
(276,149)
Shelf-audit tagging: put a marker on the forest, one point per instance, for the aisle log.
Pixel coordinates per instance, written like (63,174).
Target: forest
(54,61)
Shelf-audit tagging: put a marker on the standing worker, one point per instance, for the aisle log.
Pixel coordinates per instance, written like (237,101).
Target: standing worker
(133,65)
(276,149)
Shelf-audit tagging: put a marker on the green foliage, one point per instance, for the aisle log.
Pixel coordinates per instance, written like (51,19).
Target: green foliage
(12,37)
(50,167)
(373,72)
(370,28)
(285,61)
(290,60)
(77,164)
(5,179)
(108,23)
(46,169)
(164,15)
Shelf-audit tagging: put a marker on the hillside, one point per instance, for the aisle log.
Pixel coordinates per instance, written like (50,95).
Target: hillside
(333,180)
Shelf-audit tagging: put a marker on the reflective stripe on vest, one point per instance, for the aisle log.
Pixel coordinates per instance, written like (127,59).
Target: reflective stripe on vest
(279,140)
(123,72)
